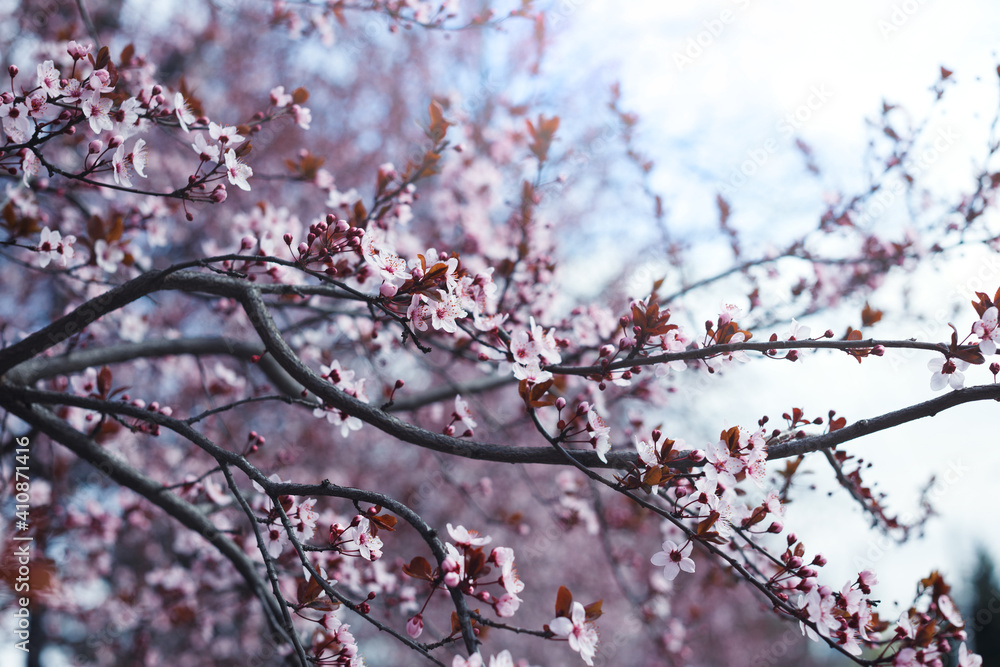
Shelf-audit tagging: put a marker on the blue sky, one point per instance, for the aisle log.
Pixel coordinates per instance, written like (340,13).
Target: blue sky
(715,84)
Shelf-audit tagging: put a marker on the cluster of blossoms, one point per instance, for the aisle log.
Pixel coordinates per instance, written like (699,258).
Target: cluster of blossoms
(359,538)
(531,349)
(441,292)
(950,371)
(333,644)
(116,103)
(466,568)
(53,246)
(845,616)
(301,516)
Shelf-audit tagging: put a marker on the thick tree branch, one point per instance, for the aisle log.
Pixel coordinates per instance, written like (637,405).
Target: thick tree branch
(989,392)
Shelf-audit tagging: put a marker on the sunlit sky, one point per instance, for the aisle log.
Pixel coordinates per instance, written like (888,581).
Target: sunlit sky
(713,82)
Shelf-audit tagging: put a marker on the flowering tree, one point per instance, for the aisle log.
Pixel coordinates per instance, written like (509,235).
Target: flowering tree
(290,374)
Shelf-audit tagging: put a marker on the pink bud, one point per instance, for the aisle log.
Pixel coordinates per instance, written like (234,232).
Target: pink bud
(12,70)
(451,579)
(219,194)
(415,626)
(388,290)
(878,350)
(96,146)
(287,238)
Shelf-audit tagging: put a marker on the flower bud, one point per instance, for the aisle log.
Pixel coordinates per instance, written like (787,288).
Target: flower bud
(415,626)
(12,70)
(96,146)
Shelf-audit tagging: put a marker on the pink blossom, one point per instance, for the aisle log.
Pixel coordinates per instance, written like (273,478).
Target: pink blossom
(139,157)
(183,113)
(582,635)
(444,311)
(237,171)
(368,545)
(98,110)
(48,247)
(100,81)
(391,267)
(646,450)
(819,606)
(474,660)
(121,170)
(949,611)
(673,559)
(600,434)
(797,332)
(225,135)
(302,116)
(947,371)
(15,121)
(988,331)
(107,255)
(275,539)
(77,50)
(967,659)
(279,97)
(722,466)
(504,659)
(467,538)
(30,165)
(204,150)
(463,412)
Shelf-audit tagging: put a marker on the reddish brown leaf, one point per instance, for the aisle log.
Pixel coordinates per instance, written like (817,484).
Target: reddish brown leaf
(564,600)
(594,610)
(419,568)
(104,381)
(869,315)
